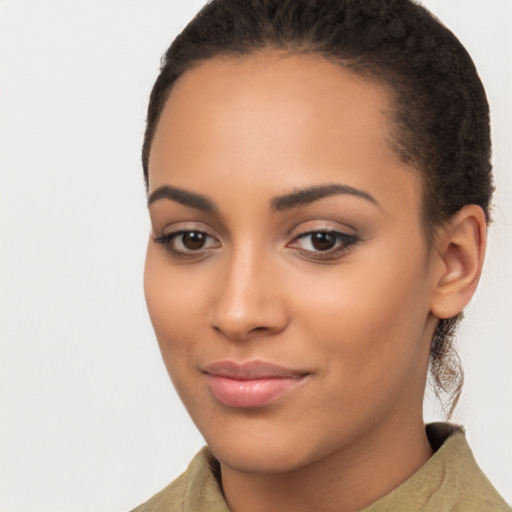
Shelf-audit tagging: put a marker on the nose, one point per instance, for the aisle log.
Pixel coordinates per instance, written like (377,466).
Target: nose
(248,302)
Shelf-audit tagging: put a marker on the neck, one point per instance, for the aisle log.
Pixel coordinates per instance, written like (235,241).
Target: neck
(349,479)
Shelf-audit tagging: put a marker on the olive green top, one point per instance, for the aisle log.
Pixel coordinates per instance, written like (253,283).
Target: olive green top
(449,481)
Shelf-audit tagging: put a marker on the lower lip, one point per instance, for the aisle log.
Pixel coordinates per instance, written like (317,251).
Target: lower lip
(250,393)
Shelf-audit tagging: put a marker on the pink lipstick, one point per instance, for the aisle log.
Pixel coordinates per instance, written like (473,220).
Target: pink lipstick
(250,384)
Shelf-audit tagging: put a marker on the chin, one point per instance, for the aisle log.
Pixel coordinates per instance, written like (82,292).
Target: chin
(264,450)
(261,459)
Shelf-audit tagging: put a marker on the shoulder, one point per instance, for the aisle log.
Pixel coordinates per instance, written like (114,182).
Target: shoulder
(463,479)
(474,490)
(169,499)
(450,481)
(196,489)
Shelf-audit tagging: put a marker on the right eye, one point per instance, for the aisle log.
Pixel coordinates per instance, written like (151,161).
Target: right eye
(187,242)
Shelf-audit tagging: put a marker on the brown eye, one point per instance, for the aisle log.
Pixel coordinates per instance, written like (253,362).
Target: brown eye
(323,241)
(190,242)
(194,240)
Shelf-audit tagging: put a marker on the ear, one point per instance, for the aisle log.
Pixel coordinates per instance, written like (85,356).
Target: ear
(459,256)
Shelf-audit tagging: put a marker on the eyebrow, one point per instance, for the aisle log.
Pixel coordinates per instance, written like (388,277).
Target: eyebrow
(184,197)
(311,194)
(280,203)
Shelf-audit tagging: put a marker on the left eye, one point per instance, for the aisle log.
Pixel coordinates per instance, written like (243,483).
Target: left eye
(323,241)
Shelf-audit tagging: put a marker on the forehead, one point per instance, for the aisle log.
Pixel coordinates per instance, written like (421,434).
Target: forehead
(299,118)
(279,95)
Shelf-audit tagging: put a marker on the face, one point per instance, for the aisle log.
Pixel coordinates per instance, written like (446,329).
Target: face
(287,273)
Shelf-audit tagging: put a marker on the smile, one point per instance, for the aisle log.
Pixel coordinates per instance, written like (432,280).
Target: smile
(250,385)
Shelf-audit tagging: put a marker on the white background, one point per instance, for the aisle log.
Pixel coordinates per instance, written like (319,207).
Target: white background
(89,421)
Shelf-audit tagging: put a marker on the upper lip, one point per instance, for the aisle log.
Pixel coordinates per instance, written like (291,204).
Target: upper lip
(251,370)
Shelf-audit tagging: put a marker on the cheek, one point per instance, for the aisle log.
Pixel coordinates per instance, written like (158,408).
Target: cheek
(370,320)
(174,301)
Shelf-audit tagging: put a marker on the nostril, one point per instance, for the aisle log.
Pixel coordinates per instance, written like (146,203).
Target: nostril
(242,310)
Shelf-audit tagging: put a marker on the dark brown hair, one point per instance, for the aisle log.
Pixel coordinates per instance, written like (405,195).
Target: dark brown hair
(441,113)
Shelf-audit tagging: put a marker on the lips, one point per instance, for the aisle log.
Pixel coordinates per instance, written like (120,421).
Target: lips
(252,384)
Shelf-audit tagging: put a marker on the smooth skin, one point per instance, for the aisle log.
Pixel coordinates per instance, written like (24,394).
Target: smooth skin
(230,276)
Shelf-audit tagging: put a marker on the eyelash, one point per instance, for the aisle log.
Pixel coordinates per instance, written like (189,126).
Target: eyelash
(343,243)
(168,239)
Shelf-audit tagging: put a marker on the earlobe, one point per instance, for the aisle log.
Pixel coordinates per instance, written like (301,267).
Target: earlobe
(460,251)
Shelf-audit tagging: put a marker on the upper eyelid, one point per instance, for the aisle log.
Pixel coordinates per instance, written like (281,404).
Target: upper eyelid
(305,228)
(339,234)
(184,226)
(322,230)
(302,229)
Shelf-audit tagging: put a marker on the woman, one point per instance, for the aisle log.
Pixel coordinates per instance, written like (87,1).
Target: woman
(318,185)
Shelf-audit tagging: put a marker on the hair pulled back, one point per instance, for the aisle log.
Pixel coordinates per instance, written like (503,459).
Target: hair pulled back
(441,115)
